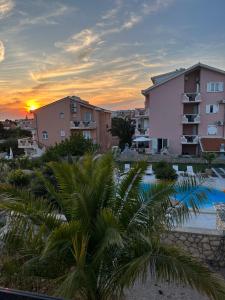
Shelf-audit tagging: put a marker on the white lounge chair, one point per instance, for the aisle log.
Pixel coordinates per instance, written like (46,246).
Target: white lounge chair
(126,168)
(149,170)
(175,167)
(190,171)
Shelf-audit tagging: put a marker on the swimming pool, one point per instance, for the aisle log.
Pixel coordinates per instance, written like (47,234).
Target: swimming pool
(213,196)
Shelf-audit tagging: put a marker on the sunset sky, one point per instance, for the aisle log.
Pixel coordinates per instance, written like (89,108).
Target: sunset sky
(101,50)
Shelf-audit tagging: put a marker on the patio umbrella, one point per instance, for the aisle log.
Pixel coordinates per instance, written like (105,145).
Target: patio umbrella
(141,139)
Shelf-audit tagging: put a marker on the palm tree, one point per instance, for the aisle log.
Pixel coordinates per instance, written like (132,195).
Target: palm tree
(98,237)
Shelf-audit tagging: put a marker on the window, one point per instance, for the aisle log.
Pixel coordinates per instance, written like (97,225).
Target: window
(215,87)
(87,116)
(212,129)
(87,134)
(212,108)
(44,135)
(74,106)
(61,115)
(62,133)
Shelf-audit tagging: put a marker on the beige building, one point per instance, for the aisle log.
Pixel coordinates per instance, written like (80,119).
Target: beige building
(59,120)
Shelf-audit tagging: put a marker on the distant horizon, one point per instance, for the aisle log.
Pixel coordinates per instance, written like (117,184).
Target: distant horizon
(102,51)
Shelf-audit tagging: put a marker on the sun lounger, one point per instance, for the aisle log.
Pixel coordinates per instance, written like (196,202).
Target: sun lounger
(149,170)
(175,167)
(190,171)
(126,168)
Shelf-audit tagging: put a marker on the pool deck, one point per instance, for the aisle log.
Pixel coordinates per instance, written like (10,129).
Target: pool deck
(206,219)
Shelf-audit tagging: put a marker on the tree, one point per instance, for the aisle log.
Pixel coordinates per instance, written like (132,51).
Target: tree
(209,157)
(124,129)
(164,171)
(76,145)
(102,236)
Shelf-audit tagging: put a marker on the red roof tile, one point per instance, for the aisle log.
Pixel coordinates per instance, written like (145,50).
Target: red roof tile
(211,144)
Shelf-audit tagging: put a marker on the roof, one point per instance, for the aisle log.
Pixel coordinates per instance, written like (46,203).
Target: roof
(76,98)
(211,144)
(163,78)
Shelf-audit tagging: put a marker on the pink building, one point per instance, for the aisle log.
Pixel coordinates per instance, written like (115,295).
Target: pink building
(59,120)
(185,106)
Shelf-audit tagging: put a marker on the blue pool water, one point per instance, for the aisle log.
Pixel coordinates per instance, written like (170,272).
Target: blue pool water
(213,196)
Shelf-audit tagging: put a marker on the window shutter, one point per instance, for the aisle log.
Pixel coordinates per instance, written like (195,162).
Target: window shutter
(221,86)
(209,87)
(207,108)
(215,108)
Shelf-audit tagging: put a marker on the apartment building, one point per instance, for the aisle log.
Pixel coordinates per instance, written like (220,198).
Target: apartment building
(59,120)
(186,107)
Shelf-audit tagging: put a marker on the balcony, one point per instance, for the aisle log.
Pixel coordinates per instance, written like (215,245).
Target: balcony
(191,119)
(144,113)
(189,139)
(27,143)
(82,125)
(191,98)
(141,131)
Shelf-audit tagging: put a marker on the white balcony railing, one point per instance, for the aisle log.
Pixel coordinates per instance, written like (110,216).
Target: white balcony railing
(82,125)
(139,132)
(138,113)
(27,143)
(189,139)
(191,98)
(191,119)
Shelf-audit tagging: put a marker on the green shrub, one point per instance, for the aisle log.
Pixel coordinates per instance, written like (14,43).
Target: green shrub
(18,178)
(76,145)
(164,171)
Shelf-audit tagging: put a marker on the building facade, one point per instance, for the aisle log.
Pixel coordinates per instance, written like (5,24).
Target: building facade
(57,121)
(185,106)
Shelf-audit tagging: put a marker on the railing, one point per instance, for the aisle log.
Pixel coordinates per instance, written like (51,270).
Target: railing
(191,98)
(141,113)
(191,118)
(142,132)
(189,139)
(82,125)
(27,143)
(8,294)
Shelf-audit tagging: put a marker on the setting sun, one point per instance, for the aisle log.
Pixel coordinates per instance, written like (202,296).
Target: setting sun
(31,105)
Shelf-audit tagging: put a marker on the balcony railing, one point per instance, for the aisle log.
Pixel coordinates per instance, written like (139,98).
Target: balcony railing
(191,98)
(191,119)
(141,113)
(83,125)
(7,294)
(141,131)
(28,143)
(189,139)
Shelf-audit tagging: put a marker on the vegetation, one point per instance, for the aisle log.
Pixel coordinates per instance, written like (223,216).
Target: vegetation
(10,138)
(99,237)
(124,129)
(76,145)
(209,157)
(164,171)
(18,178)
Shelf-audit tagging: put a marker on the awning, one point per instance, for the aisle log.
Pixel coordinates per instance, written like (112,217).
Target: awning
(212,144)
(141,139)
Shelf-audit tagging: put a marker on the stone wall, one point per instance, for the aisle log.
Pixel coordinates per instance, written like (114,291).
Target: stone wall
(206,245)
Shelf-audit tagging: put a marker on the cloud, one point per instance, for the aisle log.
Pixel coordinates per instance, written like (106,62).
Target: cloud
(5,7)
(82,43)
(61,71)
(46,18)
(2,51)
(155,5)
(131,22)
(111,13)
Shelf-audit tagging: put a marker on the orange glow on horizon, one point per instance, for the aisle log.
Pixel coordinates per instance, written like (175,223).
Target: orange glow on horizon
(31,105)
